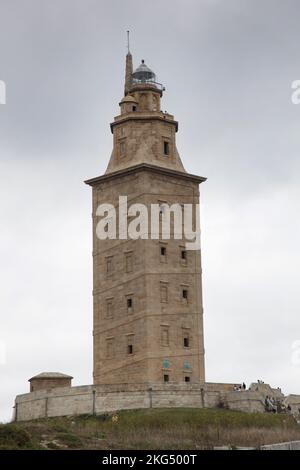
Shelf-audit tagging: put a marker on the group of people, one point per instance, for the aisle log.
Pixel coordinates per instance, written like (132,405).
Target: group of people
(274,405)
(239,388)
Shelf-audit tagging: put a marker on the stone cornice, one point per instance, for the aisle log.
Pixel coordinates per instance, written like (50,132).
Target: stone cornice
(145,167)
(143,117)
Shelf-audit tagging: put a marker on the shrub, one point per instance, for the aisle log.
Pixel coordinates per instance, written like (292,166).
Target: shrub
(12,436)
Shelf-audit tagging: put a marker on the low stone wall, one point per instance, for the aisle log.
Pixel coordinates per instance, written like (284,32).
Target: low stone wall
(266,390)
(56,402)
(223,395)
(246,400)
(220,387)
(215,394)
(101,399)
(294,402)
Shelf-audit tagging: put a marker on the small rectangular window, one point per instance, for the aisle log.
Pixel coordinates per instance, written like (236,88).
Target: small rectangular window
(133,108)
(109,308)
(165,336)
(109,265)
(187,378)
(129,304)
(183,255)
(130,349)
(163,251)
(166,378)
(186,342)
(185,294)
(163,292)
(122,149)
(166,148)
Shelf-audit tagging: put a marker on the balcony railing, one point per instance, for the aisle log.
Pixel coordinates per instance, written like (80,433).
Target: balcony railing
(157,85)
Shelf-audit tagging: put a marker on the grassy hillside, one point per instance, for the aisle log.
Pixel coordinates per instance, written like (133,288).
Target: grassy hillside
(183,428)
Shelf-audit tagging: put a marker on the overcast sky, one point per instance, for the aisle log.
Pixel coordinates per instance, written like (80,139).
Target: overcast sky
(227,66)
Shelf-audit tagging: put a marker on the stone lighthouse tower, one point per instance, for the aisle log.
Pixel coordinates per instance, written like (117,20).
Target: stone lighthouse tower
(148,314)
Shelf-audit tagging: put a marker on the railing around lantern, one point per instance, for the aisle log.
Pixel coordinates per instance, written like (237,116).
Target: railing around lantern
(148,82)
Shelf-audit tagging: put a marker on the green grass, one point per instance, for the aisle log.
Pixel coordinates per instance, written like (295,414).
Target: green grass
(172,428)
(13,436)
(162,418)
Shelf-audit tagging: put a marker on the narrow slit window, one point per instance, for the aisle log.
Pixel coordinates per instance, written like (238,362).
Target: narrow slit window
(163,293)
(130,349)
(109,309)
(166,378)
(166,148)
(163,251)
(122,149)
(129,305)
(185,294)
(165,337)
(109,266)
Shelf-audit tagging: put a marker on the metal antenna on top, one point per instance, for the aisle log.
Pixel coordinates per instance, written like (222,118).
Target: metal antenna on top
(128,43)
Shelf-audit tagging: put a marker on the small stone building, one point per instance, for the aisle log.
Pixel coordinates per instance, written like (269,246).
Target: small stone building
(49,381)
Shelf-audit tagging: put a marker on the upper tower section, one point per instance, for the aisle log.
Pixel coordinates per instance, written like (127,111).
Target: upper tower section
(142,132)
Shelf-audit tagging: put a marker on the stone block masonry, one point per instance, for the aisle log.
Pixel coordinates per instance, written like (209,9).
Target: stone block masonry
(100,399)
(147,292)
